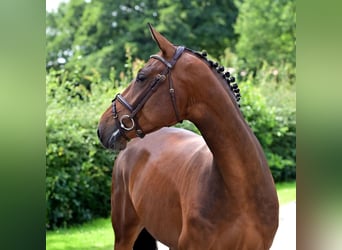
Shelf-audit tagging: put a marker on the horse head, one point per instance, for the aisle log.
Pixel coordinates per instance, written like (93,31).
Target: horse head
(160,94)
(149,102)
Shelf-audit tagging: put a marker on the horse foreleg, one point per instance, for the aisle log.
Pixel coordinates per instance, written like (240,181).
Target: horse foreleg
(126,223)
(126,234)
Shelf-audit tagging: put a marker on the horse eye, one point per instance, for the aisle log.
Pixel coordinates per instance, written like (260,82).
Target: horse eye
(141,77)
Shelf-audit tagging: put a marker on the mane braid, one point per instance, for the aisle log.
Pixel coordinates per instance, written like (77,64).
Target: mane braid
(230,80)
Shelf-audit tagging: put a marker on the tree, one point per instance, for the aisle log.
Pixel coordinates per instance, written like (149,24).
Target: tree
(266,30)
(200,25)
(87,35)
(61,28)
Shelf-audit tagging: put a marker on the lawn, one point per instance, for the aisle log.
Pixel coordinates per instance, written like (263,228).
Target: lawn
(286,192)
(98,233)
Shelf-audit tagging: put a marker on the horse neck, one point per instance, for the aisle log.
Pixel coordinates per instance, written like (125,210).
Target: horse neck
(236,151)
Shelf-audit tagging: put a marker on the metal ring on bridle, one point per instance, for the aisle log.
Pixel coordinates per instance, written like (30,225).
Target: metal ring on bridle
(123,125)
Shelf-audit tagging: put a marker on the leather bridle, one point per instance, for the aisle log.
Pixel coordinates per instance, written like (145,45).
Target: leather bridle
(131,118)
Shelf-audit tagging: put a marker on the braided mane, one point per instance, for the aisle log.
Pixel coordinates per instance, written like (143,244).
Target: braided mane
(230,80)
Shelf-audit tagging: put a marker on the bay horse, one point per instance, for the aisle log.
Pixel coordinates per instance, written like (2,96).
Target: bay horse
(190,192)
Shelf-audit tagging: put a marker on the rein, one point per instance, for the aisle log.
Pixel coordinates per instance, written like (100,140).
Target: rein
(131,118)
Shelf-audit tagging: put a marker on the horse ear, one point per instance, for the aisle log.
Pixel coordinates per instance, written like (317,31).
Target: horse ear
(164,45)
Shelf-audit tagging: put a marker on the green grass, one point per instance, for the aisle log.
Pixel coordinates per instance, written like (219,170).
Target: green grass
(286,192)
(98,234)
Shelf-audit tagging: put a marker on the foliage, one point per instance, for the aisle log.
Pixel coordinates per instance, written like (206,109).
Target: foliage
(269,105)
(273,123)
(95,34)
(78,169)
(199,24)
(266,30)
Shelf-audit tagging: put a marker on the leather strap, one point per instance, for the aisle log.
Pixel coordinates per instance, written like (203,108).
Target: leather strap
(170,64)
(142,99)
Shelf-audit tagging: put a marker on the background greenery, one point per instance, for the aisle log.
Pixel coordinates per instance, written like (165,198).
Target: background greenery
(95,47)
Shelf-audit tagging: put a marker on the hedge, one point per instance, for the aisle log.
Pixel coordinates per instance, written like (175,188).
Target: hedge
(78,168)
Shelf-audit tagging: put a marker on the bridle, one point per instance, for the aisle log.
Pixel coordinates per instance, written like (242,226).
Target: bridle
(131,118)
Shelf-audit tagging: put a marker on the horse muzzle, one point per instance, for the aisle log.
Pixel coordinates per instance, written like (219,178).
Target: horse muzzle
(115,142)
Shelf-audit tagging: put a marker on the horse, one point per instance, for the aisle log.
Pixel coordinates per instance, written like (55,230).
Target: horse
(213,191)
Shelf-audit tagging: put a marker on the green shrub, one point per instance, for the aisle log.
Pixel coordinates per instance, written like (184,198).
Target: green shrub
(269,105)
(78,169)
(272,119)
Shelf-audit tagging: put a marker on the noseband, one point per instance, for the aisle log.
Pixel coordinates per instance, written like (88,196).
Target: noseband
(128,122)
